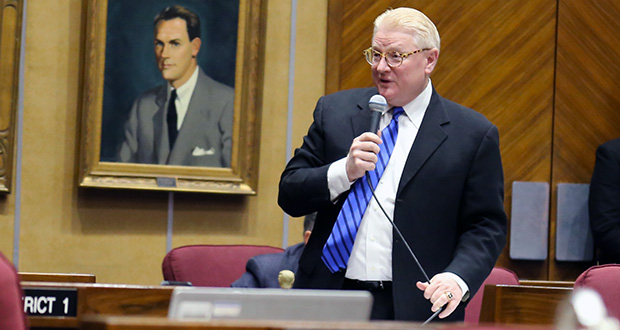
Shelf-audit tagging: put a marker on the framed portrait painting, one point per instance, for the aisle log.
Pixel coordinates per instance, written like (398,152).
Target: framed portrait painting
(10,42)
(171,95)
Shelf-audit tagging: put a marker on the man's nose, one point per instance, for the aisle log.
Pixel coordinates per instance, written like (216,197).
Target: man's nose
(165,50)
(382,65)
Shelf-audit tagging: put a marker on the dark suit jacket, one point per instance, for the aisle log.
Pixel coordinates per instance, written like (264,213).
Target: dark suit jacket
(262,271)
(604,202)
(205,137)
(449,204)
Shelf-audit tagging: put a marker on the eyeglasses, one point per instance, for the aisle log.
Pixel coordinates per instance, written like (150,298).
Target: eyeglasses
(393,59)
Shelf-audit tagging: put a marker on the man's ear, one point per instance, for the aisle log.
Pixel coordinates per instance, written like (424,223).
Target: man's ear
(307,236)
(195,46)
(431,60)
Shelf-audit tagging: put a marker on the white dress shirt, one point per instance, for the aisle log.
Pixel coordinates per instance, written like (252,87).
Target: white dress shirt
(184,96)
(371,257)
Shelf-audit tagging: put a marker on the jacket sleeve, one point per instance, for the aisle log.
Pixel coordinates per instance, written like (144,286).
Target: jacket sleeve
(129,147)
(250,279)
(483,226)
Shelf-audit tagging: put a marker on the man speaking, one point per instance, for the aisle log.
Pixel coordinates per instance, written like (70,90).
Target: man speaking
(435,168)
(188,120)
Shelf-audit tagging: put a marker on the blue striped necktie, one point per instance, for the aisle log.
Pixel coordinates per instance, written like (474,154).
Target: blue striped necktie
(337,250)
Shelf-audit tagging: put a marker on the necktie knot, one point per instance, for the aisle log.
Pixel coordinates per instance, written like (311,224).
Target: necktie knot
(396,112)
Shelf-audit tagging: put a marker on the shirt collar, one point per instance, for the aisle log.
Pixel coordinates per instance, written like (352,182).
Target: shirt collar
(416,109)
(184,93)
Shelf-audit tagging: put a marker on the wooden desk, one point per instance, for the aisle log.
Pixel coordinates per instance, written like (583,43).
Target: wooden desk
(502,304)
(110,299)
(521,304)
(57,277)
(102,322)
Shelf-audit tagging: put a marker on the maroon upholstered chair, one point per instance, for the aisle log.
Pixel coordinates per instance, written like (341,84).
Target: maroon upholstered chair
(499,275)
(604,279)
(11,309)
(210,265)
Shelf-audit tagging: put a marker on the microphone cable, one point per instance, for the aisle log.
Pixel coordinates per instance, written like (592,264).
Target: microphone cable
(406,245)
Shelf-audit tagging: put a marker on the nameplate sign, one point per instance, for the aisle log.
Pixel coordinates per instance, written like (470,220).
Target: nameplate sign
(50,302)
(166,182)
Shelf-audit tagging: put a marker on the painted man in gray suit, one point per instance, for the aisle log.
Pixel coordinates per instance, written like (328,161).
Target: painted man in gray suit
(188,120)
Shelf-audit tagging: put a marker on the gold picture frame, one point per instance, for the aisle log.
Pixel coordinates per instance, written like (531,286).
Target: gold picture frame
(241,176)
(10,42)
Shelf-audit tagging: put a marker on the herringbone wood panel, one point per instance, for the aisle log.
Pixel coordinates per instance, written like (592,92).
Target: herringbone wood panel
(497,57)
(587,106)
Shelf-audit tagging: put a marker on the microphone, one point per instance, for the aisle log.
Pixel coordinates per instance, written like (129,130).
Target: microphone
(378,105)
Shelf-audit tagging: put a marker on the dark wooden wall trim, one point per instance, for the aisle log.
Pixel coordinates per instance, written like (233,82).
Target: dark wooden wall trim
(334,29)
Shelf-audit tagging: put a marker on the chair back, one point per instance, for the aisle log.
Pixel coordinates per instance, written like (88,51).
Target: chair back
(499,275)
(11,308)
(210,265)
(604,279)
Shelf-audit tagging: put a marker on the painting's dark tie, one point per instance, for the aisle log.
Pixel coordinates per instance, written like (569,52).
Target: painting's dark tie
(171,118)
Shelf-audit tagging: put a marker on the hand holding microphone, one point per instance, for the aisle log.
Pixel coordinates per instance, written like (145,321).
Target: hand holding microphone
(363,152)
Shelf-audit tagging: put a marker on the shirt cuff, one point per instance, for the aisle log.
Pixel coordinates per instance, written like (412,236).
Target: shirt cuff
(462,285)
(337,179)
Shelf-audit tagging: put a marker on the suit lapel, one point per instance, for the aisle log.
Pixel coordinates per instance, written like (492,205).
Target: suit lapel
(430,136)
(360,122)
(192,123)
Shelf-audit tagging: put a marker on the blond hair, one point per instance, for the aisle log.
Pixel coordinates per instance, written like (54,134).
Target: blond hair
(412,21)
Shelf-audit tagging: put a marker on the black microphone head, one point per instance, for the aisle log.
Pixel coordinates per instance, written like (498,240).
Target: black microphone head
(378,103)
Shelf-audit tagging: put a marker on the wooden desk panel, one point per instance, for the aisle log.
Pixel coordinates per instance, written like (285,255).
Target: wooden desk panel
(521,304)
(107,299)
(57,277)
(102,322)
(502,304)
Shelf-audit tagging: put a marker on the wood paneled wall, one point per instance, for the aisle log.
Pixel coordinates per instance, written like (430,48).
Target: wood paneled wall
(500,58)
(587,98)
